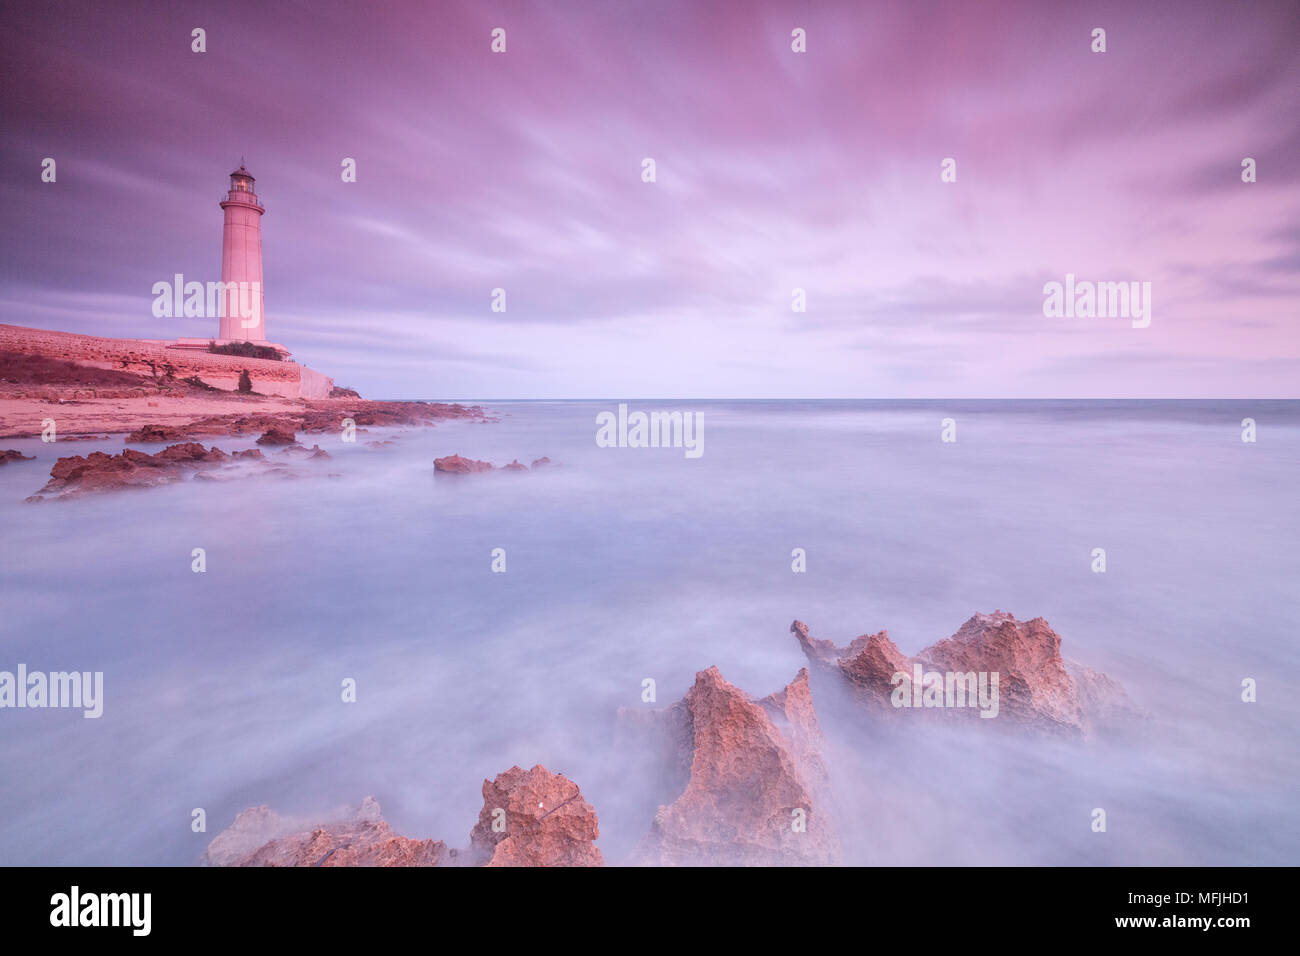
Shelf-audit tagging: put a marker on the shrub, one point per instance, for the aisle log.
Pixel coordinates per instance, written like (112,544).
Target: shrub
(245,381)
(245,350)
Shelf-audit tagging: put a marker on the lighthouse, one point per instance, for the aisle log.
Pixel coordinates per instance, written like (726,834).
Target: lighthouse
(237,303)
(241,258)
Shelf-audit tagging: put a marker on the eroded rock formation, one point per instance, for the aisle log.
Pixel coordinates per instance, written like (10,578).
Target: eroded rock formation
(157,433)
(97,471)
(754,790)
(301,451)
(277,435)
(743,779)
(456,465)
(534,818)
(529,818)
(261,837)
(1036,686)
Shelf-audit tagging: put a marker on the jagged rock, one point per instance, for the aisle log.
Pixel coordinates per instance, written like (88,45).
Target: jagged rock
(755,772)
(157,433)
(276,435)
(330,416)
(1034,686)
(189,451)
(792,713)
(315,451)
(542,820)
(529,818)
(261,837)
(456,465)
(130,469)
(868,663)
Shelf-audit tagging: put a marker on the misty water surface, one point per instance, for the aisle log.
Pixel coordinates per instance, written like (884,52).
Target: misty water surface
(223,688)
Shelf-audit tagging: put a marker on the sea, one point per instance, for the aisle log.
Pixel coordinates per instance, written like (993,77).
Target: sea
(501,619)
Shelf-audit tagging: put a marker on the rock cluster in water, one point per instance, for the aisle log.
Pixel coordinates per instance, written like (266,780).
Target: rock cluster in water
(456,465)
(1037,688)
(529,818)
(745,781)
(99,472)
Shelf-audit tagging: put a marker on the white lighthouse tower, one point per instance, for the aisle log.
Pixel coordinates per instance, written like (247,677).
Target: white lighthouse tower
(241,258)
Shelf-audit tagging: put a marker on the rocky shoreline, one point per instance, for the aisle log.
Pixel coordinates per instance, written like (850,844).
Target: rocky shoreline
(60,400)
(87,399)
(191,417)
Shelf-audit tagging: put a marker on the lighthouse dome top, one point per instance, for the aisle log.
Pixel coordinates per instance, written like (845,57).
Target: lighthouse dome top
(242,173)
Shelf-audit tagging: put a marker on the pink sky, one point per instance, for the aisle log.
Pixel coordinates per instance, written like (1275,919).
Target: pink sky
(775,170)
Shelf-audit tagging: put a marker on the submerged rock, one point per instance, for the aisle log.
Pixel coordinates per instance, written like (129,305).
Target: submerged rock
(456,465)
(529,818)
(98,471)
(300,451)
(1105,705)
(261,837)
(277,435)
(13,454)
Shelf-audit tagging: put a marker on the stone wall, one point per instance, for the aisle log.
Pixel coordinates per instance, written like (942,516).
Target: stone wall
(144,356)
(313,384)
